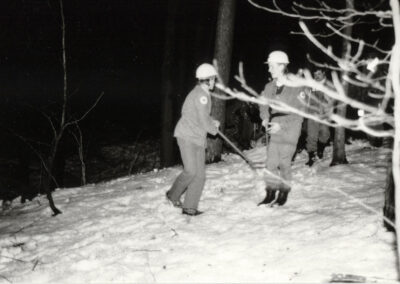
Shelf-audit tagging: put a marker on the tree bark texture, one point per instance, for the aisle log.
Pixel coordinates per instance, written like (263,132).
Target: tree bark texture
(223,55)
(339,151)
(389,207)
(167,107)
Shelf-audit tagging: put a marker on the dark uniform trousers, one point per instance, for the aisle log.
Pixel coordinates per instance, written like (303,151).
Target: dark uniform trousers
(316,132)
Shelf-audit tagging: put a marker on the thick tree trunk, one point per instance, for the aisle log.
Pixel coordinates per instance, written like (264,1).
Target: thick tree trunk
(223,54)
(167,107)
(395,82)
(389,207)
(202,36)
(339,152)
(54,147)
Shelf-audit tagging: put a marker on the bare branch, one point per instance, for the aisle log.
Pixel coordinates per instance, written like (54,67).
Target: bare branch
(325,12)
(349,38)
(79,142)
(324,8)
(243,83)
(86,113)
(51,123)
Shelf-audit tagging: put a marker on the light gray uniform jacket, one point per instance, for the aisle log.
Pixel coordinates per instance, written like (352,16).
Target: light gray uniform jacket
(196,121)
(282,144)
(290,122)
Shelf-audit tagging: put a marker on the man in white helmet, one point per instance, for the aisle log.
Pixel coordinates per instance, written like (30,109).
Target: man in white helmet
(284,128)
(191,131)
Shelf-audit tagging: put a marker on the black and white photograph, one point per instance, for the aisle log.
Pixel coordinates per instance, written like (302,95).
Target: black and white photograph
(199,141)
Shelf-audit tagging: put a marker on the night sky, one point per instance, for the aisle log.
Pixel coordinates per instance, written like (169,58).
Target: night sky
(117,47)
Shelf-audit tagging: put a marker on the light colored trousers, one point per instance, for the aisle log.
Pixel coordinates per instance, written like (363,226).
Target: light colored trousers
(279,162)
(193,177)
(280,151)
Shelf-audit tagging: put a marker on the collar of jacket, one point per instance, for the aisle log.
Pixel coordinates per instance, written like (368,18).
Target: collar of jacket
(205,89)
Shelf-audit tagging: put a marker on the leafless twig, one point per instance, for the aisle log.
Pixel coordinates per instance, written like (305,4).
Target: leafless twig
(5,278)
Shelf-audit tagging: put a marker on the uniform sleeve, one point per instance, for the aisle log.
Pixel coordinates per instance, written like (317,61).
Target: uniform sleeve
(206,121)
(264,109)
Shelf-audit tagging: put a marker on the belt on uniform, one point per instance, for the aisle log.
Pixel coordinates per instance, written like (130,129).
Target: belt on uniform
(277,114)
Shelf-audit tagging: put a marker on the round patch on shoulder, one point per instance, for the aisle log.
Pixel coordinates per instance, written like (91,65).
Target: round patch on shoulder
(203,100)
(302,95)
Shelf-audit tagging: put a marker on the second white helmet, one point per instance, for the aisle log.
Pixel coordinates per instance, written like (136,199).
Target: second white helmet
(205,71)
(278,56)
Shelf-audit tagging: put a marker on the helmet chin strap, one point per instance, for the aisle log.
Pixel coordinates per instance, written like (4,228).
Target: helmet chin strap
(211,88)
(207,83)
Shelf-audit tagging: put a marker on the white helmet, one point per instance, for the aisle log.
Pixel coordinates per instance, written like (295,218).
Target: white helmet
(205,71)
(278,56)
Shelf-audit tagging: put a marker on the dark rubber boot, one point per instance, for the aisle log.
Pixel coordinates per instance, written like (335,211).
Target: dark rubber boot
(282,197)
(191,212)
(320,151)
(269,197)
(311,159)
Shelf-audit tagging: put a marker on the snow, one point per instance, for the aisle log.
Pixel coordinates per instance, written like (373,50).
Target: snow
(125,231)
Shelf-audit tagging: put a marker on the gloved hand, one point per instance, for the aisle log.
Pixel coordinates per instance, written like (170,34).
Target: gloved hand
(216,123)
(274,127)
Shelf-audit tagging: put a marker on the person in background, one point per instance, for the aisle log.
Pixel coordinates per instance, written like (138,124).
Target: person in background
(318,134)
(283,127)
(191,131)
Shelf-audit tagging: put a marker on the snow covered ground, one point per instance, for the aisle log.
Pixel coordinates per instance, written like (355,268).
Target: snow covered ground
(125,231)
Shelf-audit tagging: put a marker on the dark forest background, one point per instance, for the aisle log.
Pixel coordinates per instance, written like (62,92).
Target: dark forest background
(115,48)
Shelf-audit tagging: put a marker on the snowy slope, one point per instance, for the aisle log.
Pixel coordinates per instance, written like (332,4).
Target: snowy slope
(125,231)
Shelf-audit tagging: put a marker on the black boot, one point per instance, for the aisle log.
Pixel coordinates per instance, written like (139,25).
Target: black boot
(321,148)
(191,212)
(282,196)
(269,197)
(311,159)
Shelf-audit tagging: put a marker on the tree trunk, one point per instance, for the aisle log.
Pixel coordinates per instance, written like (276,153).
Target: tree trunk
(57,136)
(395,82)
(59,163)
(223,54)
(203,35)
(167,114)
(50,182)
(389,207)
(339,152)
